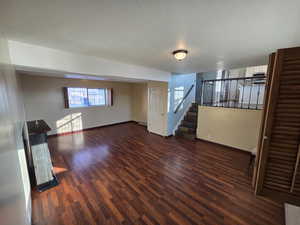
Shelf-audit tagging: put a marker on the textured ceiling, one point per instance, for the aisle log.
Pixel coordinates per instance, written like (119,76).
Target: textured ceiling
(217,33)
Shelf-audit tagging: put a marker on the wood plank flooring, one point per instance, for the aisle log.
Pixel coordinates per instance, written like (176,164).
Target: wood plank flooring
(124,175)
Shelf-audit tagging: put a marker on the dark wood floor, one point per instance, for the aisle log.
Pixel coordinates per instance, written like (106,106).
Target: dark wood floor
(124,175)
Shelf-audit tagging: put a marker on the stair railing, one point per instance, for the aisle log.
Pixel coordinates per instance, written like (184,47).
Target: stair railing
(184,97)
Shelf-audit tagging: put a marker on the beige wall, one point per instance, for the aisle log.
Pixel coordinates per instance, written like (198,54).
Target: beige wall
(139,102)
(237,128)
(43,98)
(15,201)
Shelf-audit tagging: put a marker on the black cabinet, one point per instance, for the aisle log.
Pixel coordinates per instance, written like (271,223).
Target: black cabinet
(41,168)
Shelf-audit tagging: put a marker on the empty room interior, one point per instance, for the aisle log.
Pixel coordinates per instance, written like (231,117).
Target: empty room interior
(141,112)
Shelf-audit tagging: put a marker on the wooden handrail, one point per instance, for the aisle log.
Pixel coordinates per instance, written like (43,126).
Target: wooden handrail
(185,96)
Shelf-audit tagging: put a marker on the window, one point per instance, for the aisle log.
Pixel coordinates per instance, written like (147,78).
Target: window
(77,97)
(178,96)
(96,96)
(84,97)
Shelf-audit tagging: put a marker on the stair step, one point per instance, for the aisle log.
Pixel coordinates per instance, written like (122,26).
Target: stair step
(192,114)
(178,133)
(189,124)
(190,119)
(194,110)
(189,136)
(187,129)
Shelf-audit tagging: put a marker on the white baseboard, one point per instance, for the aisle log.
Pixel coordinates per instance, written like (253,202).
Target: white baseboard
(142,123)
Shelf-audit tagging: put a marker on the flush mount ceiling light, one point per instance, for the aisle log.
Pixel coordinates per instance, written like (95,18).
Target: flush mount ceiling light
(180,54)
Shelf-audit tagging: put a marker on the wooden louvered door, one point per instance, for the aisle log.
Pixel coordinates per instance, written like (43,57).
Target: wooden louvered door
(278,164)
(295,188)
(262,125)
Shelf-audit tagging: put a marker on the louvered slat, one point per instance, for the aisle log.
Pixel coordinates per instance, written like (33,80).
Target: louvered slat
(282,127)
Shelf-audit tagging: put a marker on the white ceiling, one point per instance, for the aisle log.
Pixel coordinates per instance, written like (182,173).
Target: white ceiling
(217,33)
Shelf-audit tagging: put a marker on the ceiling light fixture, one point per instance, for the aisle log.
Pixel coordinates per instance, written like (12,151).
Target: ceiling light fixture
(180,54)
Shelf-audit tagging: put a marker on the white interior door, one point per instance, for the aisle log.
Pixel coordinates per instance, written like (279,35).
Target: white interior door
(156,111)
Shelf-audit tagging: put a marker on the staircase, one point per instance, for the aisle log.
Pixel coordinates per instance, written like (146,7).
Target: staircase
(188,125)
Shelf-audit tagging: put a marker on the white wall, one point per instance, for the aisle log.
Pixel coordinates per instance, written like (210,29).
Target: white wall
(140,102)
(238,128)
(37,57)
(43,99)
(15,201)
(292,214)
(158,113)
